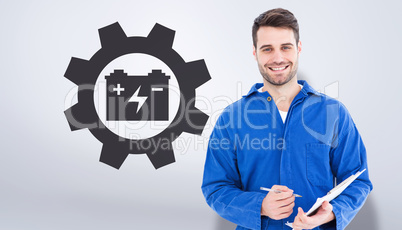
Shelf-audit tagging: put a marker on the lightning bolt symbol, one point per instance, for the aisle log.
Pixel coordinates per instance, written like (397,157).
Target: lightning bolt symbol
(136,98)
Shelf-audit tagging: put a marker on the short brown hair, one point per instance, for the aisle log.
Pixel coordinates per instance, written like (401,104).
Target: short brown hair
(276,18)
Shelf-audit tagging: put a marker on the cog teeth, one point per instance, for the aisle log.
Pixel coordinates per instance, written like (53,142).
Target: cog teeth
(161,157)
(79,118)
(113,155)
(77,71)
(162,36)
(200,70)
(111,35)
(196,122)
(115,43)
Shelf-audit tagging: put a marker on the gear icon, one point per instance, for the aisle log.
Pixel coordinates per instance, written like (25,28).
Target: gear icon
(115,43)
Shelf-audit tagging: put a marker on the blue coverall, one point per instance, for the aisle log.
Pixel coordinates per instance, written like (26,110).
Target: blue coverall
(251,147)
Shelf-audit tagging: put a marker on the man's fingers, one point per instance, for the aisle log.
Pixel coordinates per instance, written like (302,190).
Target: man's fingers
(285,195)
(283,199)
(283,215)
(298,222)
(281,195)
(302,216)
(286,201)
(278,205)
(285,192)
(300,211)
(287,208)
(283,203)
(280,188)
(326,206)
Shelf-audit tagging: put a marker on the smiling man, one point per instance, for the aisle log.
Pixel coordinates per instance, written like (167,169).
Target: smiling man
(281,65)
(286,136)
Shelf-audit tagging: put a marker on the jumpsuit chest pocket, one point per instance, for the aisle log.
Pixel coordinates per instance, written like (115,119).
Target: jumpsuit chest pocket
(318,164)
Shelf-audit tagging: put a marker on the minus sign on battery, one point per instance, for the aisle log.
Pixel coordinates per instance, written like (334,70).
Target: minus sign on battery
(157,89)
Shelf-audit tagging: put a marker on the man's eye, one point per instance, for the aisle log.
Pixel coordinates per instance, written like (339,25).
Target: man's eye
(267,49)
(286,48)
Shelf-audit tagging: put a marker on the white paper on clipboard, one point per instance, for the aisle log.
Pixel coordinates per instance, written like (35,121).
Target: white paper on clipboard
(332,194)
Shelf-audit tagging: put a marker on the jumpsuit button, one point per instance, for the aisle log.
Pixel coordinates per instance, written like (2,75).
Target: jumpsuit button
(269,98)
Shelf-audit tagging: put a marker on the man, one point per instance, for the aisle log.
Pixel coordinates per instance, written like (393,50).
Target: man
(286,136)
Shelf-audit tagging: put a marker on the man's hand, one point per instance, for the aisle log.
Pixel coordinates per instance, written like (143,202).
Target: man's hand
(278,205)
(323,215)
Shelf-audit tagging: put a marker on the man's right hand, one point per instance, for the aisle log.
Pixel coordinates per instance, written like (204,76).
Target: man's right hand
(278,206)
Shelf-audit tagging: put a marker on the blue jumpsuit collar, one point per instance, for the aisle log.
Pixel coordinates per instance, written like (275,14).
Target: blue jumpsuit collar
(305,90)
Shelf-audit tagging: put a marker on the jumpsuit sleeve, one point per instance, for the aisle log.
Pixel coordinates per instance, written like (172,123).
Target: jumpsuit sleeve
(222,187)
(348,156)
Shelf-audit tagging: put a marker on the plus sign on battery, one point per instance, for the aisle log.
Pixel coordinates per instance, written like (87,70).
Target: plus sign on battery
(118,89)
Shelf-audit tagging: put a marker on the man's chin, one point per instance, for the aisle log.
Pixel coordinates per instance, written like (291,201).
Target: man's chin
(277,82)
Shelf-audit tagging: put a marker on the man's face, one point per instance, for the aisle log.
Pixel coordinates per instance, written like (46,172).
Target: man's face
(277,54)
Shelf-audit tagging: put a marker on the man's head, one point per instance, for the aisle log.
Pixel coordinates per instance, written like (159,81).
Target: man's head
(279,18)
(276,45)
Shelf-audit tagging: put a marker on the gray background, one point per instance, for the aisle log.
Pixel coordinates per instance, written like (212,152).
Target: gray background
(50,177)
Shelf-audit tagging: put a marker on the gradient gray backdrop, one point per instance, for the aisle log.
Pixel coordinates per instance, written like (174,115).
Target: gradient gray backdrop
(51,178)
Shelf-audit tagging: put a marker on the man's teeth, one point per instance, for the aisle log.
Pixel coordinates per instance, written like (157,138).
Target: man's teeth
(279,68)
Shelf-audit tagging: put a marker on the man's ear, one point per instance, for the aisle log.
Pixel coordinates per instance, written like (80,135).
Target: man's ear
(299,47)
(254,53)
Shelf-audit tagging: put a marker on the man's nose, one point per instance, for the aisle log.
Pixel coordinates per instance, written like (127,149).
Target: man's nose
(277,57)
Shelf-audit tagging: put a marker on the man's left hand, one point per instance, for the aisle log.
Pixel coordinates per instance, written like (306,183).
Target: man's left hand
(323,215)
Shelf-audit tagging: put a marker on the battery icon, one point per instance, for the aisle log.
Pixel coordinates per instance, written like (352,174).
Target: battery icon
(137,98)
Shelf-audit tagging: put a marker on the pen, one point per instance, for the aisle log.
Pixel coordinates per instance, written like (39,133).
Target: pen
(277,191)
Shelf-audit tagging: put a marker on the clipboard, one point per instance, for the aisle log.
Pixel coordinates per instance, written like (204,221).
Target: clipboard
(336,191)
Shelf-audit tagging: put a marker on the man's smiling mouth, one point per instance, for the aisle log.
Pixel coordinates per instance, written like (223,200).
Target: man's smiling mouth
(278,68)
